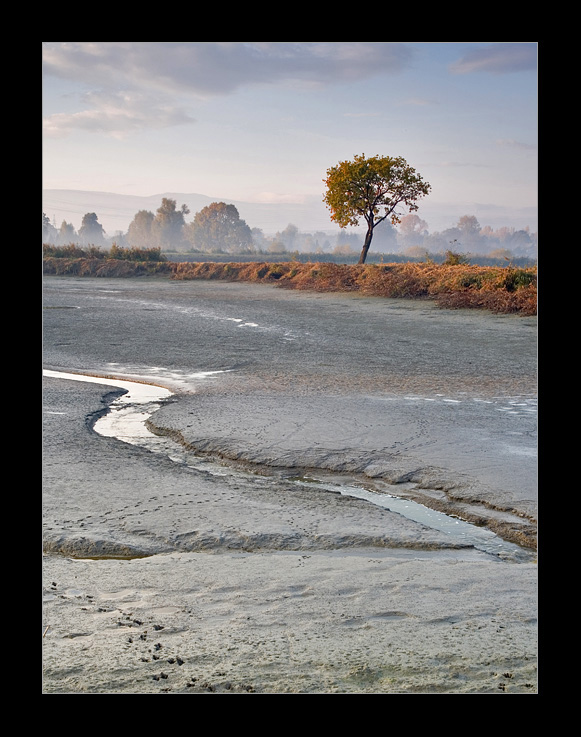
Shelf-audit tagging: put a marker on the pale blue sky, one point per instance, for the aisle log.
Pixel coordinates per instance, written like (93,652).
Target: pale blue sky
(263,121)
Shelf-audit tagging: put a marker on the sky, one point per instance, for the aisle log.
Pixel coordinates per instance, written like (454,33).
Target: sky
(264,121)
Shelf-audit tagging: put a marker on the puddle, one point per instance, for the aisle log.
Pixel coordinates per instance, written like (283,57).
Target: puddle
(126,421)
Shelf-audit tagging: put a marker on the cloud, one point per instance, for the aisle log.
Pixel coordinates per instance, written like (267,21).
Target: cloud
(117,114)
(416,102)
(276,198)
(462,164)
(362,115)
(501,58)
(138,81)
(516,144)
(217,68)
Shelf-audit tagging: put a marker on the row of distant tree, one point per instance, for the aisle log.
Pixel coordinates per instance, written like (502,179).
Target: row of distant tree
(219,229)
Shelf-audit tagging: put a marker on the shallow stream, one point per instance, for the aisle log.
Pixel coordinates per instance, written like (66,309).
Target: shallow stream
(126,421)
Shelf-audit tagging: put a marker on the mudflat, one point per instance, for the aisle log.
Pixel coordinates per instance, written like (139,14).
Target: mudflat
(207,565)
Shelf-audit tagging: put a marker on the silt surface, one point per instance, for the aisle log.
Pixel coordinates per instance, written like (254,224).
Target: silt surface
(207,565)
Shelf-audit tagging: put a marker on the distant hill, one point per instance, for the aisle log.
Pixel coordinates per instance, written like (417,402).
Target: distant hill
(116,211)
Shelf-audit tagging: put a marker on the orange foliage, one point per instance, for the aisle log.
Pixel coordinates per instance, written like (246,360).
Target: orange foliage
(499,289)
(461,286)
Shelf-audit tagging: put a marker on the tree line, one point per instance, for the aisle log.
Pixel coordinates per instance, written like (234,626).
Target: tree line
(370,189)
(219,229)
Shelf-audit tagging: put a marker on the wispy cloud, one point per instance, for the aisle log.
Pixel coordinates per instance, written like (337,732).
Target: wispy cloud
(134,76)
(500,58)
(516,144)
(416,102)
(117,114)
(214,68)
(361,115)
(276,198)
(461,164)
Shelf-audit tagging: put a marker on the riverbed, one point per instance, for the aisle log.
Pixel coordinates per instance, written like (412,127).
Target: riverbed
(239,543)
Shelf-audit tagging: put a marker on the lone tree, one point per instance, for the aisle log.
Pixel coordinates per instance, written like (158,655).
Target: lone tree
(372,189)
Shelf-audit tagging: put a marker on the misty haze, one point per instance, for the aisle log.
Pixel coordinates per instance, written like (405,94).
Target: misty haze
(284,229)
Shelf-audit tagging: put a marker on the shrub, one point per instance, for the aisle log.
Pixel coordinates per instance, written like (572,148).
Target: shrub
(72,250)
(451,258)
(517,278)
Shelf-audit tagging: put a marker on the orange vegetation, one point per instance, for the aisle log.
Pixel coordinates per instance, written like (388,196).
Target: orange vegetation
(499,289)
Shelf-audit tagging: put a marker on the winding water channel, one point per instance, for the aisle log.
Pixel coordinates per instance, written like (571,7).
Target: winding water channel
(126,421)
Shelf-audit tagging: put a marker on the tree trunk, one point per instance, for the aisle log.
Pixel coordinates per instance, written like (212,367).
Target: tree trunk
(368,237)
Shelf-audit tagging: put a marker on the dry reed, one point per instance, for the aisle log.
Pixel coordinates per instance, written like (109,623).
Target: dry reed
(498,289)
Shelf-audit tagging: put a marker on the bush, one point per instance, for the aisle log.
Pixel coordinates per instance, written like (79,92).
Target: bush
(451,258)
(72,250)
(517,278)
